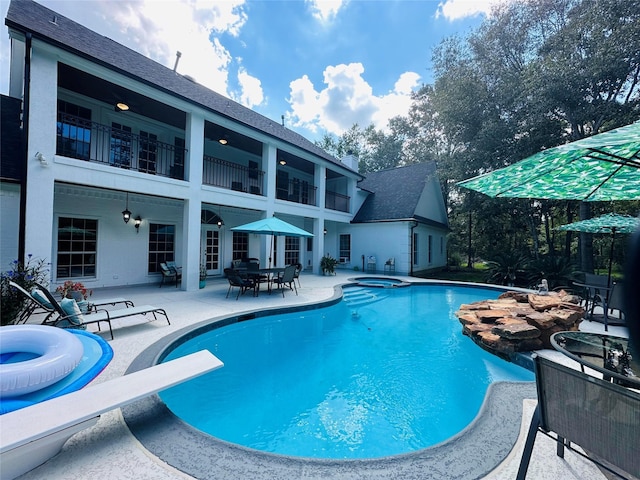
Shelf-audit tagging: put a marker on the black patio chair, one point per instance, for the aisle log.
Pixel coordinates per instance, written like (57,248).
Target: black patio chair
(285,278)
(170,274)
(242,284)
(603,418)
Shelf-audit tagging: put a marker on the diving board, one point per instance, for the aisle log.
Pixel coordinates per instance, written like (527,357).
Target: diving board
(32,435)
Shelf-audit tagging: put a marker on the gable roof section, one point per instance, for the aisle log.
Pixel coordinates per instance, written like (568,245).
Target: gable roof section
(29,16)
(395,194)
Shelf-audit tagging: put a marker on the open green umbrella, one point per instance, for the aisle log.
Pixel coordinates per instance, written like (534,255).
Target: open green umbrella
(610,223)
(603,167)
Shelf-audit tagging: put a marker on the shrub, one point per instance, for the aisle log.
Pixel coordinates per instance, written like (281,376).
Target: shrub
(26,275)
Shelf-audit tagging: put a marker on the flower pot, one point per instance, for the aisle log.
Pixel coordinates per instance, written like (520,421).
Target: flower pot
(203,283)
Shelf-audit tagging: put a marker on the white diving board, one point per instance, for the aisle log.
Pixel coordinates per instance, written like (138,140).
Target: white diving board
(32,435)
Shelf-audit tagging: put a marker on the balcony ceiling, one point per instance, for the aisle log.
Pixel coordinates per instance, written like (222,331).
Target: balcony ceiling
(99,89)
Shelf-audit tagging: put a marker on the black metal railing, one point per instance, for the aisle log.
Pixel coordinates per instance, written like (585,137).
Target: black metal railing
(298,191)
(118,147)
(222,173)
(337,201)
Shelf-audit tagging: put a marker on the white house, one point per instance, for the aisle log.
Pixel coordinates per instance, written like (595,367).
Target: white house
(106,131)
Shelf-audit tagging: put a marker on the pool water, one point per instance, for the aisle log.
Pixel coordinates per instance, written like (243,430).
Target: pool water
(383,372)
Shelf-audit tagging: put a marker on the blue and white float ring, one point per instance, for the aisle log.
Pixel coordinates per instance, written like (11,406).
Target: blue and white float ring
(59,352)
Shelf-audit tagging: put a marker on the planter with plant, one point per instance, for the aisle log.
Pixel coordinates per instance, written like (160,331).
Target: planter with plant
(328,264)
(203,276)
(27,275)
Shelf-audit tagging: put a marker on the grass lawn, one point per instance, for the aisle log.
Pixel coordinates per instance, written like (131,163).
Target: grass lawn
(477,274)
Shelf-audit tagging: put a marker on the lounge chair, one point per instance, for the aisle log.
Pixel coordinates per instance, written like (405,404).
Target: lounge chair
(603,418)
(235,280)
(285,278)
(70,316)
(170,274)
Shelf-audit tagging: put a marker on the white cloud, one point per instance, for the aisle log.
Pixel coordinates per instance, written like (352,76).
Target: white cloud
(347,99)
(159,29)
(325,10)
(457,9)
(251,89)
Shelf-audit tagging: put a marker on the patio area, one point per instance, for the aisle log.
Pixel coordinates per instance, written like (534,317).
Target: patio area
(109,450)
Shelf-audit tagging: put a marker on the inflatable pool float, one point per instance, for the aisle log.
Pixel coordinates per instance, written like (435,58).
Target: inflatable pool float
(39,362)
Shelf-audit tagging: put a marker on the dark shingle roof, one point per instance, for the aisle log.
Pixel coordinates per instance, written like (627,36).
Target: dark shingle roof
(395,193)
(29,16)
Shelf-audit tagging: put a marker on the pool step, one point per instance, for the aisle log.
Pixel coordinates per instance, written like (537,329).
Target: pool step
(354,297)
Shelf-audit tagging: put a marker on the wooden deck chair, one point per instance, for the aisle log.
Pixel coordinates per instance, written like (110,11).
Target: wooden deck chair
(603,418)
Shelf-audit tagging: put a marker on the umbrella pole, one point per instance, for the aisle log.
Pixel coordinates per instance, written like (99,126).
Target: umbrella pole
(613,238)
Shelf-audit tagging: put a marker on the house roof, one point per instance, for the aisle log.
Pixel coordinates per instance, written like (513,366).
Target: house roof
(395,194)
(51,27)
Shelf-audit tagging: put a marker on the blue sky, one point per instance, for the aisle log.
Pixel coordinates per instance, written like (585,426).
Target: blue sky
(323,64)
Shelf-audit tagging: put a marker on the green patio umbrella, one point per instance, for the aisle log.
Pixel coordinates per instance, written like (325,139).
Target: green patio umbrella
(603,167)
(272,226)
(611,224)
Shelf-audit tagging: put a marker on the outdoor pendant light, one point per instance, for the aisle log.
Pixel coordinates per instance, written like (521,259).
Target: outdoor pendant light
(126,214)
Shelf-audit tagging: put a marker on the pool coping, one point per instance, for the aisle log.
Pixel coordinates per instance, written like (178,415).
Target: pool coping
(472,453)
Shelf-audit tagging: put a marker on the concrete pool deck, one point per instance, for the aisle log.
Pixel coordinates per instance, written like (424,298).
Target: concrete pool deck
(110,450)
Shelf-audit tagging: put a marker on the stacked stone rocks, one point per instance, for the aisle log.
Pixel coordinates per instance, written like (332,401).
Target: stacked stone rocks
(519,322)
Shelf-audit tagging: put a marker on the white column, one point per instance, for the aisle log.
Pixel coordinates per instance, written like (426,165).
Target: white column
(40,226)
(320,180)
(194,142)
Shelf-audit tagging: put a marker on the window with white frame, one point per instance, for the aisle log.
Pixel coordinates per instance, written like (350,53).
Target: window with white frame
(291,250)
(430,249)
(73,130)
(162,239)
(240,245)
(345,248)
(415,249)
(77,248)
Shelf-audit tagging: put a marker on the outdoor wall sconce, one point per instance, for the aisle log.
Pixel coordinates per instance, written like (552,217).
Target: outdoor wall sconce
(325,231)
(126,214)
(121,107)
(137,223)
(42,159)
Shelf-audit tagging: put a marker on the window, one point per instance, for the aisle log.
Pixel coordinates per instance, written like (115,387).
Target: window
(291,250)
(120,147)
(240,245)
(415,249)
(148,152)
(77,247)
(345,248)
(430,250)
(161,245)
(73,131)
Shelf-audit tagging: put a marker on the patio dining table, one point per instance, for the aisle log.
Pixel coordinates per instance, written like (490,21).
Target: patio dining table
(610,355)
(257,273)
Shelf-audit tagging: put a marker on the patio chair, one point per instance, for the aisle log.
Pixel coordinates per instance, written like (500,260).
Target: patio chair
(285,278)
(253,265)
(390,265)
(296,274)
(603,418)
(242,284)
(170,273)
(70,316)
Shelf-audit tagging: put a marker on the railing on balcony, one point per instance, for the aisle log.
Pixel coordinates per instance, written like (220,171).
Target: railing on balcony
(298,191)
(90,141)
(336,201)
(222,173)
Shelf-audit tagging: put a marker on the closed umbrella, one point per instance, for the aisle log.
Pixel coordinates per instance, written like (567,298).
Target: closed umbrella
(272,226)
(610,224)
(603,167)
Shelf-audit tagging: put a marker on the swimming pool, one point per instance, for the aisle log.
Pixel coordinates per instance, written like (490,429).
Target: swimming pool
(357,379)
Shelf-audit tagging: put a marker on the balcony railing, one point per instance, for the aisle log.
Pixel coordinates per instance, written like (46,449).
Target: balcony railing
(222,173)
(90,141)
(337,201)
(298,191)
